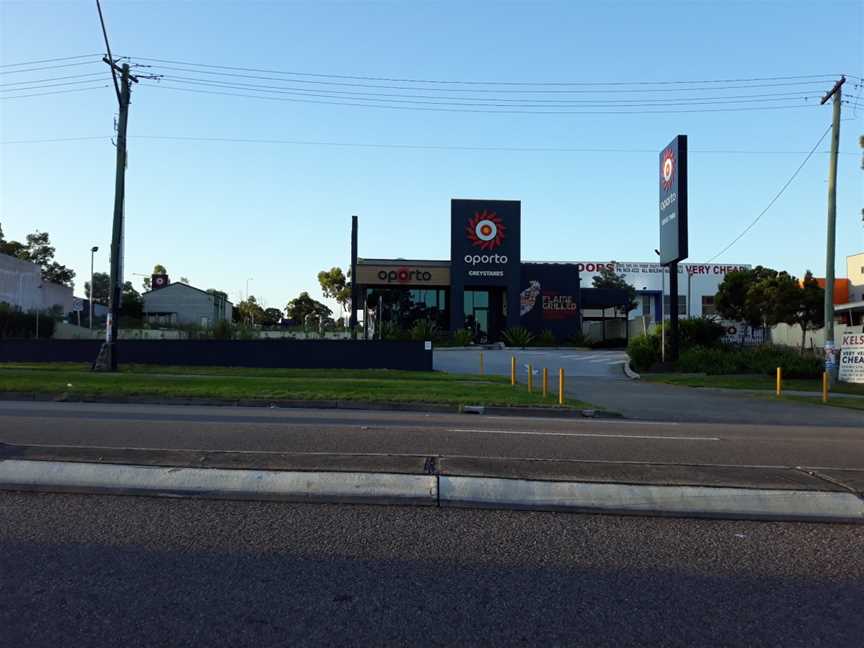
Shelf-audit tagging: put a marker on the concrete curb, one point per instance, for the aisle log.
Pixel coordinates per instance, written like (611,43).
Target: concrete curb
(218,483)
(432,490)
(628,371)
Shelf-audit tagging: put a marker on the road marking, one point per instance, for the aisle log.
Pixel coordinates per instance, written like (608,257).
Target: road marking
(584,434)
(588,421)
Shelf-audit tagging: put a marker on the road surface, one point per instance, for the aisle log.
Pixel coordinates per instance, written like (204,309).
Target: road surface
(124,571)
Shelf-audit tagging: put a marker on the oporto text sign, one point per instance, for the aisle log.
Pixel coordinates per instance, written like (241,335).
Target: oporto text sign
(673,201)
(484,241)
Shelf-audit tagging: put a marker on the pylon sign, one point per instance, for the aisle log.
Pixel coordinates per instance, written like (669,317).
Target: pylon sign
(673,201)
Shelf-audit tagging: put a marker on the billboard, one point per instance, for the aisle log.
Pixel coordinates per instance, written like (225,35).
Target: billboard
(852,357)
(673,201)
(549,299)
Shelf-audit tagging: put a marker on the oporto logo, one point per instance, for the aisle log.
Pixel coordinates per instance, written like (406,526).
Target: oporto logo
(667,169)
(486,230)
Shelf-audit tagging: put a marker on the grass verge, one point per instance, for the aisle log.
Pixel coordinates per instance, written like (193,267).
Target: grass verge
(240,383)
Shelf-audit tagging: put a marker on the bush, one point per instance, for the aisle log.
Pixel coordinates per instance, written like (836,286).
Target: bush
(545,339)
(223,330)
(424,330)
(757,360)
(517,336)
(644,351)
(462,337)
(578,340)
(15,323)
(700,332)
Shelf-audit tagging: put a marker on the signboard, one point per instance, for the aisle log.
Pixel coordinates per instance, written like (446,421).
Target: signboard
(550,299)
(852,357)
(77,304)
(673,201)
(409,274)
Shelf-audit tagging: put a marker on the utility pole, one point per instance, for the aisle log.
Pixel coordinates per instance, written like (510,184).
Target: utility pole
(352,322)
(830,355)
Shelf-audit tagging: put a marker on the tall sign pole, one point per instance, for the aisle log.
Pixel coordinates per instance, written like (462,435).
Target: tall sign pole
(673,225)
(830,355)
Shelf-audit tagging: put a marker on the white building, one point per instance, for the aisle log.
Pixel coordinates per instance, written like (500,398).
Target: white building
(697,284)
(179,303)
(21,286)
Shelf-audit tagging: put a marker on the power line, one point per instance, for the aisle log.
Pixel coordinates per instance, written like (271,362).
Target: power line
(496,90)
(110,60)
(60,78)
(474,82)
(49,85)
(775,198)
(476,110)
(48,67)
(55,92)
(394,97)
(50,60)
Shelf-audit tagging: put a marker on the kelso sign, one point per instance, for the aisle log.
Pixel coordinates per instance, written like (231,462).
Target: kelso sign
(852,357)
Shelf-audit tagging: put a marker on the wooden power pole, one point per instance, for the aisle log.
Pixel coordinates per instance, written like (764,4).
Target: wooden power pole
(830,354)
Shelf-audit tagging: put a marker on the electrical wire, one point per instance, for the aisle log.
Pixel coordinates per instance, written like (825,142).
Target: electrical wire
(663,90)
(474,82)
(49,67)
(60,78)
(775,198)
(49,85)
(50,60)
(374,96)
(55,92)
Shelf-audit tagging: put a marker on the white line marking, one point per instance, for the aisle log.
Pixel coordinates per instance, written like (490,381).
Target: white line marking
(586,421)
(584,434)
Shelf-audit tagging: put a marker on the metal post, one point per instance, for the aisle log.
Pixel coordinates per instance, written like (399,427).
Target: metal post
(779,381)
(352,321)
(663,313)
(673,312)
(530,379)
(512,370)
(545,382)
(561,386)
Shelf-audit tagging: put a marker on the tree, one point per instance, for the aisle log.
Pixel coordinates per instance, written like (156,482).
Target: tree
(249,311)
(334,285)
(303,305)
(159,269)
(271,317)
(38,250)
(131,302)
(739,301)
(101,282)
(811,307)
(608,278)
(184,280)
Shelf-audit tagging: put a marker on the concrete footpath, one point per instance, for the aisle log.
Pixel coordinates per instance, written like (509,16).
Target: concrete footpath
(577,486)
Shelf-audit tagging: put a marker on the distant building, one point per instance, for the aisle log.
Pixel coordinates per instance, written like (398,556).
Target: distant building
(850,310)
(178,303)
(21,285)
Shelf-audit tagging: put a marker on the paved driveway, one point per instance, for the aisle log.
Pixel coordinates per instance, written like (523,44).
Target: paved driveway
(598,377)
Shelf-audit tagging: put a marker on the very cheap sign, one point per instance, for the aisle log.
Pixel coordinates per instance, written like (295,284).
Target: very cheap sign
(852,358)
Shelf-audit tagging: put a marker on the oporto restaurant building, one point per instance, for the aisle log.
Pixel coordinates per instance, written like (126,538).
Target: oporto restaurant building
(487,287)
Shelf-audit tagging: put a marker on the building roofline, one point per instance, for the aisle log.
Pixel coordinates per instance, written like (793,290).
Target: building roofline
(180,283)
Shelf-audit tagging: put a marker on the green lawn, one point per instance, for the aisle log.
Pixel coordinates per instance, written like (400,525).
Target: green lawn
(234,383)
(749,382)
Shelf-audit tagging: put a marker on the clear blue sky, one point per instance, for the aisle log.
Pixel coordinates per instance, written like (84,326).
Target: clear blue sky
(220,212)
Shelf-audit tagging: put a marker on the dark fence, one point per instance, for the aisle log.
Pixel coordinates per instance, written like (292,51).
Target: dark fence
(295,354)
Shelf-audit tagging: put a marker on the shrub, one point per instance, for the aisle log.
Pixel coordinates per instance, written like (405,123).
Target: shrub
(223,330)
(462,337)
(518,336)
(14,323)
(757,360)
(578,340)
(700,332)
(545,339)
(721,360)
(423,330)
(644,351)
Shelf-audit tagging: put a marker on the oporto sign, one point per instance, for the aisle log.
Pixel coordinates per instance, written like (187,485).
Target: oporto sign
(673,201)
(404,275)
(484,243)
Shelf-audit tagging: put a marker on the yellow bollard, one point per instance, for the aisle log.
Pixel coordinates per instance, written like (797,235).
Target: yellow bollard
(779,381)
(512,370)
(481,363)
(824,386)
(560,386)
(545,382)
(530,379)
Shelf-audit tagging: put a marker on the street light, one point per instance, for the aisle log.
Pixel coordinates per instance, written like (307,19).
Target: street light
(93,251)
(251,312)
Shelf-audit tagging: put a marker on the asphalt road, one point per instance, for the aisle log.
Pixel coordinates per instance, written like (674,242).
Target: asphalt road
(597,377)
(121,571)
(453,435)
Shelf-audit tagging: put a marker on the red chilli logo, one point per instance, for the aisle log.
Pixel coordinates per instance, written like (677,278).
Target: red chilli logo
(485,230)
(667,169)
